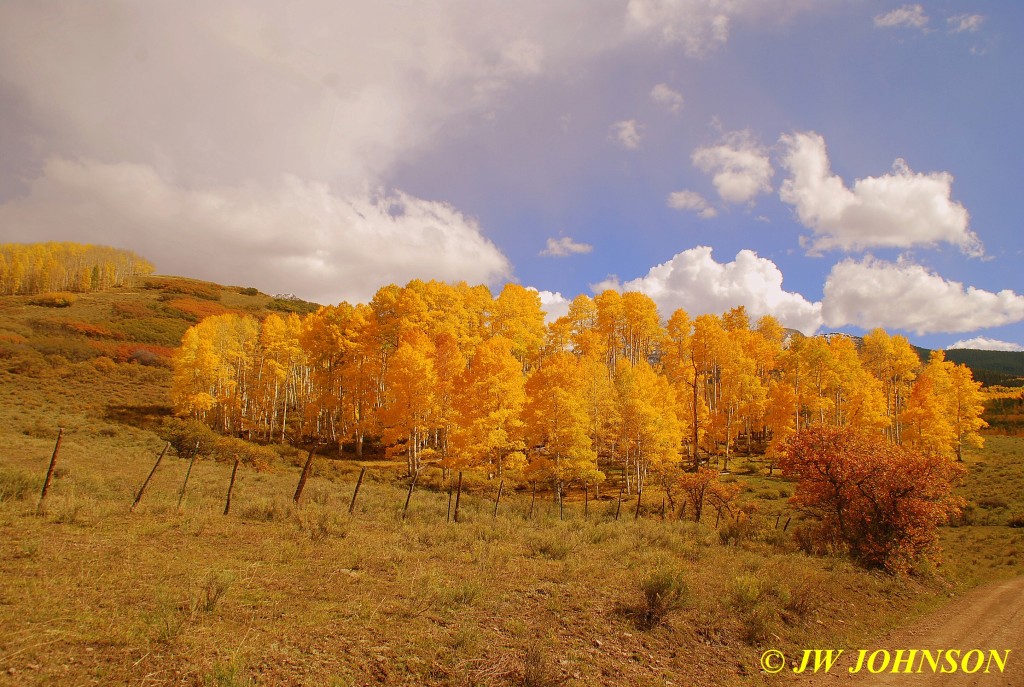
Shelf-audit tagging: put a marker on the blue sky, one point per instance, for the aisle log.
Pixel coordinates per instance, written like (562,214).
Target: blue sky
(841,165)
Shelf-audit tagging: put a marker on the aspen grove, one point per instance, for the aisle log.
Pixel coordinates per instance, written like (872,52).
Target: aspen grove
(451,376)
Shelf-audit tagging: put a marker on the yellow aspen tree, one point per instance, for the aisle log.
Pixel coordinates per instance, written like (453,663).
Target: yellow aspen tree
(857,397)
(449,364)
(217,358)
(359,375)
(819,372)
(650,431)
(926,425)
(678,367)
(641,327)
(610,317)
(556,423)
(584,332)
(282,355)
(780,419)
(793,365)
(479,304)
(194,383)
(966,405)
(892,361)
(490,402)
(601,399)
(517,316)
(326,342)
(742,396)
(705,345)
(410,402)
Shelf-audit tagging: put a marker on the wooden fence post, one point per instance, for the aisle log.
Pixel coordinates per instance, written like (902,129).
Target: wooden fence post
(412,485)
(501,485)
(618,504)
(231,486)
(49,471)
(639,495)
(304,475)
(359,482)
(142,489)
(188,473)
(458,497)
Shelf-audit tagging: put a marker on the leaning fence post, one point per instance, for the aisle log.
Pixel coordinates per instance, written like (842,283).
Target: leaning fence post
(49,471)
(458,497)
(231,486)
(786,527)
(359,482)
(412,485)
(142,489)
(304,475)
(188,473)
(501,485)
(639,495)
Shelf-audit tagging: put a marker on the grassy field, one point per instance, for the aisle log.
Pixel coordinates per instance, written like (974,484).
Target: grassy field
(279,594)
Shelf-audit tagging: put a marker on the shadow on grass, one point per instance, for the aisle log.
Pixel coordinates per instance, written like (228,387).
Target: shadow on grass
(141,416)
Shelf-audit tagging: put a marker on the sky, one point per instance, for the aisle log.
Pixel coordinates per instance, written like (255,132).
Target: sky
(840,165)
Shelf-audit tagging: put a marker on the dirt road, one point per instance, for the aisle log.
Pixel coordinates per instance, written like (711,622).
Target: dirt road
(987,618)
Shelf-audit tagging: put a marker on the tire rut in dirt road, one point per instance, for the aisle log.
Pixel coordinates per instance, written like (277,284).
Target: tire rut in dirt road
(987,618)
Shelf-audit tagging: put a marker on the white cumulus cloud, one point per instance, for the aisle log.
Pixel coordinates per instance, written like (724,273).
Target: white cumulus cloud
(900,209)
(694,281)
(691,200)
(875,293)
(665,95)
(627,133)
(554,303)
(981,343)
(294,235)
(565,246)
(965,22)
(909,16)
(740,167)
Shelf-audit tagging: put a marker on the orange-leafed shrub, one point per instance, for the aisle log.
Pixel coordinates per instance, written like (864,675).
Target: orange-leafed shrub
(194,309)
(185,286)
(54,300)
(143,354)
(91,330)
(129,309)
(883,502)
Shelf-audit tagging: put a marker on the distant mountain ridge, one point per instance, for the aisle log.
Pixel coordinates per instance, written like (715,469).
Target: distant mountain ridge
(1005,368)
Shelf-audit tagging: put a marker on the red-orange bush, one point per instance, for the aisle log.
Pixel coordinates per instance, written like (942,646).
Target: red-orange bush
(882,501)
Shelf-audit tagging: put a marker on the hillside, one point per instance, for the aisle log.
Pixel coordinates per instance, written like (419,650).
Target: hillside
(280,594)
(142,323)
